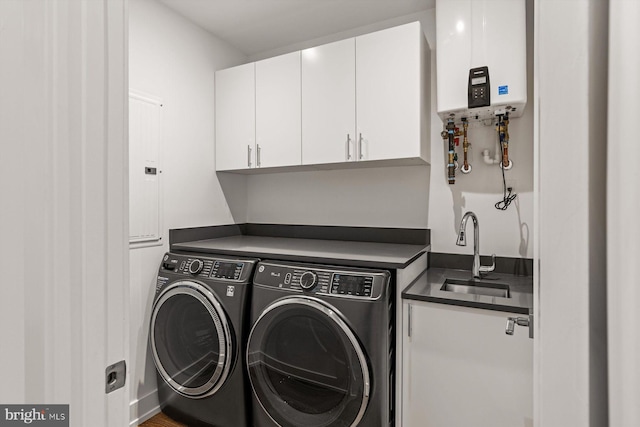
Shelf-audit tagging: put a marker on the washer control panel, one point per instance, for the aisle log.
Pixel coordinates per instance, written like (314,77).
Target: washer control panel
(224,269)
(349,284)
(321,280)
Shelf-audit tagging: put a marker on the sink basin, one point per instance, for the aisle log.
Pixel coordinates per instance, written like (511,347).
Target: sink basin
(476,288)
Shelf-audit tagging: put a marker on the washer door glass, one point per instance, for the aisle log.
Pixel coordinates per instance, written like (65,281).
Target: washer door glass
(190,339)
(306,366)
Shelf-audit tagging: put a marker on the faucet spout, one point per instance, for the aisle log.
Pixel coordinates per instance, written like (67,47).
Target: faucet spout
(462,241)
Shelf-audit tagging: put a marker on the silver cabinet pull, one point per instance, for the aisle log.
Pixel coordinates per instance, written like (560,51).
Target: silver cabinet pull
(348,147)
(409,321)
(258,155)
(360,155)
(248,155)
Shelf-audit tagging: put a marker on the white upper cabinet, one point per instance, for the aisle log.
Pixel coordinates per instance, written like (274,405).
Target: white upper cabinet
(235,118)
(363,100)
(392,103)
(278,111)
(329,103)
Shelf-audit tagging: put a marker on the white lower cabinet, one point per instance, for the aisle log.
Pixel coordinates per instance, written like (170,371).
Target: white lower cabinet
(460,369)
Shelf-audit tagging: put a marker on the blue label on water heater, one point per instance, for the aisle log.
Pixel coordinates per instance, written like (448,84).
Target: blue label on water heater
(503,90)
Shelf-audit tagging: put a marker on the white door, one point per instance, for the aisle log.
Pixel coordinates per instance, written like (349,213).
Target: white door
(329,103)
(64,226)
(388,95)
(623,228)
(570,229)
(278,111)
(235,118)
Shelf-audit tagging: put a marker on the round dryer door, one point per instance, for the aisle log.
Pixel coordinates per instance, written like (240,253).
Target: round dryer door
(306,366)
(191,339)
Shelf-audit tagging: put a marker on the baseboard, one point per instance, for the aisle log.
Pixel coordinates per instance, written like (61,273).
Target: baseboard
(142,409)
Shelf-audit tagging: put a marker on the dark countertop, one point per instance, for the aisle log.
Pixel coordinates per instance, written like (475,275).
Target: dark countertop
(352,253)
(427,288)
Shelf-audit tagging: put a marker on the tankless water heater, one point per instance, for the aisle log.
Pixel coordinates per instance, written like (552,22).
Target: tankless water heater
(481,58)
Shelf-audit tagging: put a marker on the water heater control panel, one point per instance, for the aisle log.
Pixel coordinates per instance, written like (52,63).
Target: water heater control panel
(479,91)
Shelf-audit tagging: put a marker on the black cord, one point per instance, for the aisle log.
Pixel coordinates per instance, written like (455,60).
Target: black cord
(507,197)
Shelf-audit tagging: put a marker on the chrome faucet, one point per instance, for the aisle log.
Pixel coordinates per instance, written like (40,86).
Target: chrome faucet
(476,268)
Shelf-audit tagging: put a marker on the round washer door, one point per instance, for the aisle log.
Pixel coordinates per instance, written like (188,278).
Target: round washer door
(306,366)
(191,339)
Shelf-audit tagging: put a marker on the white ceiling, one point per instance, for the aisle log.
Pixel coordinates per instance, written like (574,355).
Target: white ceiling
(255,26)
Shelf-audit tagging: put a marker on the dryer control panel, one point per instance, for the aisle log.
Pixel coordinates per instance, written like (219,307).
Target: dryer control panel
(321,280)
(223,269)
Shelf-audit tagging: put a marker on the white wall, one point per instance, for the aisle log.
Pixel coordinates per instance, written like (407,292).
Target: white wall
(380,197)
(426,17)
(416,196)
(571,371)
(505,233)
(174,60)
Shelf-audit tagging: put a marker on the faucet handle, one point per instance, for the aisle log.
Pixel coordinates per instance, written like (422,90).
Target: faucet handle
(489,268)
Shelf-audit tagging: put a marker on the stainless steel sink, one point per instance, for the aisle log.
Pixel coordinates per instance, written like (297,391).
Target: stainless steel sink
(475,287)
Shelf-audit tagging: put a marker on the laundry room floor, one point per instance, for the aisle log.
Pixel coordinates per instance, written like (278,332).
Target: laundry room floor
(161,420)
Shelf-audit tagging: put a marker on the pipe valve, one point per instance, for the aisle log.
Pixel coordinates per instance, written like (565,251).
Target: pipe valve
(520,321)
(451,165)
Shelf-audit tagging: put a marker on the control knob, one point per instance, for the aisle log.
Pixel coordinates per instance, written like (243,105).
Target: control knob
(308,280)
(196,266)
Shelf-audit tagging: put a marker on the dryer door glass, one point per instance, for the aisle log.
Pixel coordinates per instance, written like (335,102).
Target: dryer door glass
(190,340)
(306,366)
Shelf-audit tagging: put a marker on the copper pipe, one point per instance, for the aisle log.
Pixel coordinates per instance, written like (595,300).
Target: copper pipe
(465,145)
(503,134)
(505,143)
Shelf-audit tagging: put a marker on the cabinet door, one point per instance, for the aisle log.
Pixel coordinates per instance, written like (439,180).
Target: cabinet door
(389,73)
(460,369)
(235,118)
(329,103)
(278,141)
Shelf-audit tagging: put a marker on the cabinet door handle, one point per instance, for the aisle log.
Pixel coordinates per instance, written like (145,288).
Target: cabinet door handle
(360,155)
(409,320)
(248,155)
(258,155)
(348,147)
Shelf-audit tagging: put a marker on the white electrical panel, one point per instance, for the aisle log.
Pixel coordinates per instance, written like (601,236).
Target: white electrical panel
(481,58)
(144,179)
